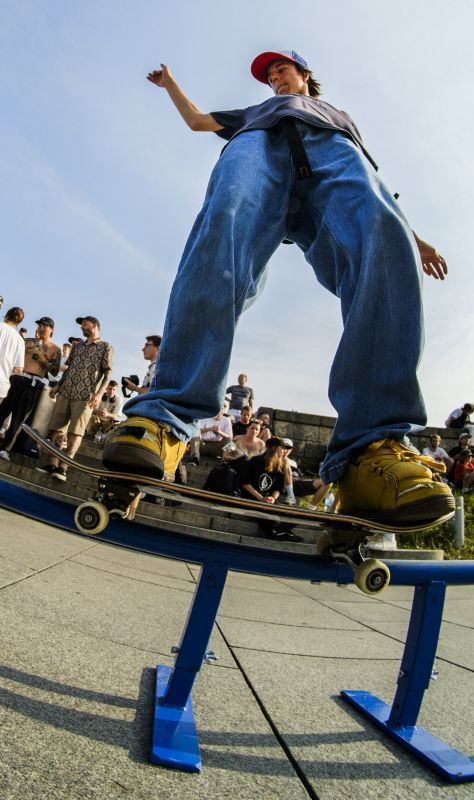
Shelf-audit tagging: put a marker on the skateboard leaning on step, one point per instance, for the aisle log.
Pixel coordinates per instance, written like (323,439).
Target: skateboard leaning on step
(341,537)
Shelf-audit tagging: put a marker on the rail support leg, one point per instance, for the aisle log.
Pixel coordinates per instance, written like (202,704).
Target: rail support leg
(399,720)
(175,742)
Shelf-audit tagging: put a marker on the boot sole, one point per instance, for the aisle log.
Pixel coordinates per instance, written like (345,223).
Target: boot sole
(423,511)
(132,458)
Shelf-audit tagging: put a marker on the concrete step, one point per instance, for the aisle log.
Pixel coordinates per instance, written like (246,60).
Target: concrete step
(405,555)
(81,486)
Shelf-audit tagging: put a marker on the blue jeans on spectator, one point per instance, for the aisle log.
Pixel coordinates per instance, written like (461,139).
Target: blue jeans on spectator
(361,249)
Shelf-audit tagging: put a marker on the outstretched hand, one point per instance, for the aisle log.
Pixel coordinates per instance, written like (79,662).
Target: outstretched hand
(160,77)
(433,263)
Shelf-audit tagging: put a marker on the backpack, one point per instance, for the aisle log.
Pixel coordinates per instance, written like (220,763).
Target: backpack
(223,479)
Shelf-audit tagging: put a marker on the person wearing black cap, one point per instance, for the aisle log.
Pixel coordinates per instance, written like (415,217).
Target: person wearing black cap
(42,358)
(263,478)
(79,391)
(295,169)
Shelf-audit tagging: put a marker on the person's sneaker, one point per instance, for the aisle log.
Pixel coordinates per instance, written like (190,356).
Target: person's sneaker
(193,461)
(391,483)
(145,447)
(47,469)
(59,473)
(5,455)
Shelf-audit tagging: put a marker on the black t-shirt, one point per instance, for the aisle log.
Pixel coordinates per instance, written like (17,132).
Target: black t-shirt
(239,428)
(263,480)
(311,110)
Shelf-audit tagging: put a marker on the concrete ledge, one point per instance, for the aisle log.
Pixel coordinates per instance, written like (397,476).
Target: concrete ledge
(405,555)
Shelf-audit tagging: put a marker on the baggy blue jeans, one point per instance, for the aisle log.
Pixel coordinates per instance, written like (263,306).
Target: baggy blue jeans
(361,249)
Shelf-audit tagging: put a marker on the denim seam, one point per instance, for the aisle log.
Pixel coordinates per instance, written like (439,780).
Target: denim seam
(245,282)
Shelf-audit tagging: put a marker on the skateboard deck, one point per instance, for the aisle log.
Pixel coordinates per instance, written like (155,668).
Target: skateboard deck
(233,505)
(341,536)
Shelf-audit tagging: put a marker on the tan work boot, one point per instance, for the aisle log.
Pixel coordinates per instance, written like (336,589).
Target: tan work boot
(144,447)
(391,483)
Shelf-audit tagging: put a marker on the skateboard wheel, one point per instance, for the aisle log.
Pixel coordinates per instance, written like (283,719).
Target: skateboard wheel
(372,576)
(91,517)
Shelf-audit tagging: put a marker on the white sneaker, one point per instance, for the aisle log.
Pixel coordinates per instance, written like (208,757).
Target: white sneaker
(5,455)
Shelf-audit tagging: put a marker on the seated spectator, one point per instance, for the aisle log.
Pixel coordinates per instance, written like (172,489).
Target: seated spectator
(296,486)
(109,411)
(249,443)
(265,432)
(150,352)
(459,418)
(240,427)
(214,434)
(464,443)
(434,450)
(263,478)
(464,440)
(239,395)
(464,470)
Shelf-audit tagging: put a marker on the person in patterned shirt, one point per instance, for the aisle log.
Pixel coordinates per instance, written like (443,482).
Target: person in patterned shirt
(79,391)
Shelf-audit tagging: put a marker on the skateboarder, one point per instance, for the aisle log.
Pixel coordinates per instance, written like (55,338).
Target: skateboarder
(295,168)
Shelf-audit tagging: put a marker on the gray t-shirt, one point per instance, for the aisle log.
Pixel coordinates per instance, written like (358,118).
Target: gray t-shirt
(240,396)
(308,109)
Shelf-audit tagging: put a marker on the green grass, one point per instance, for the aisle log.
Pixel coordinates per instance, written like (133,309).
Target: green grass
(441,537)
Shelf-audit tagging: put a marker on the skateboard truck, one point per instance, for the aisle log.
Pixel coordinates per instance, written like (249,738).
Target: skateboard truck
(371,576)
(112,498)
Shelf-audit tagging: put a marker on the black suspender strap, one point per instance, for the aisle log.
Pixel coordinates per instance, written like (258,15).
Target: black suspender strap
(298,153)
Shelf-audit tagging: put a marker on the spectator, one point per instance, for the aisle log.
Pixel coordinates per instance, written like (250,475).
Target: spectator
(150,352)
(249,443)
(437,452)
(296,486)
(459,418)
(65,353)
(42,356)
(263,478)
(23,333)
(239,428)
(464,470)
(464,443)
(12,348)
(79,391)
(265,431)
(1,301)
(108,413)
(214,434)
(240,395)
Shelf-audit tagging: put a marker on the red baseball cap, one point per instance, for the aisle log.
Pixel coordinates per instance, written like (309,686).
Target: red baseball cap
(260,64)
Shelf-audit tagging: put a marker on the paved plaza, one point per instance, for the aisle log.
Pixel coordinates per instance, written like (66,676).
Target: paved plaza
(83,625)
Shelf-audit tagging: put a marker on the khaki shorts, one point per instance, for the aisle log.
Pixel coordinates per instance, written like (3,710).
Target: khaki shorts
(76,413)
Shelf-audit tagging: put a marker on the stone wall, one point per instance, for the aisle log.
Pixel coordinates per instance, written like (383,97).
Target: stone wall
(310,434)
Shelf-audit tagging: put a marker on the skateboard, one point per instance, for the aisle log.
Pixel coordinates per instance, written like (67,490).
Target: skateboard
(341,536)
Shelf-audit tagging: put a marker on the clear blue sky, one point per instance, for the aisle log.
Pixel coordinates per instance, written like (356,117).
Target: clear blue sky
(100,180)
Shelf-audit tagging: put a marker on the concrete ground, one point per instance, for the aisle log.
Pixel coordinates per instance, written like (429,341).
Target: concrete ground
(82,625)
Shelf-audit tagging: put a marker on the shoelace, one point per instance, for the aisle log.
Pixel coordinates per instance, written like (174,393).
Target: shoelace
(405,454)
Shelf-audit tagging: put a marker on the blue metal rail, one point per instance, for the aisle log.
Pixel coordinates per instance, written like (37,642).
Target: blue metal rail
(175,741)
